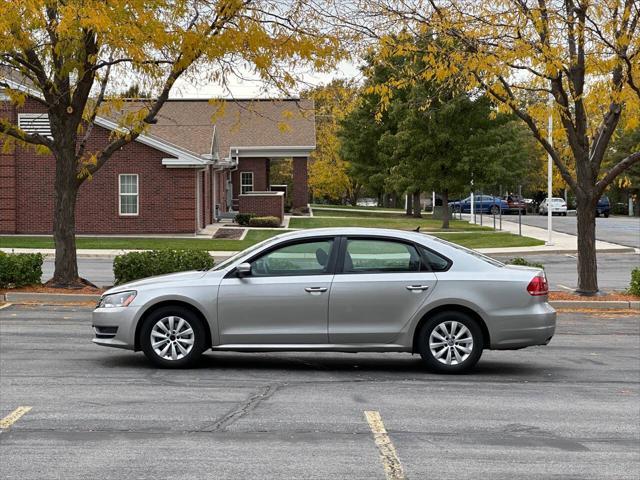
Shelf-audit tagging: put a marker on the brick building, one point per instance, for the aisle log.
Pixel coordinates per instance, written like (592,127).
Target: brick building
(189,168)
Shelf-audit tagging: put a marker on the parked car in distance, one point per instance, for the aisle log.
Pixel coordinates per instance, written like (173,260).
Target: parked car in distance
(603,207)
(341,290)
(516,203)
(558,205)
(482,204)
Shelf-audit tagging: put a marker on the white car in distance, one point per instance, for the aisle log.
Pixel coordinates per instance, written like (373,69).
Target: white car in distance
(556,205)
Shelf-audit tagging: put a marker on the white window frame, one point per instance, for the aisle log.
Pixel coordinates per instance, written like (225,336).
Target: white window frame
(242,185)
(120,194)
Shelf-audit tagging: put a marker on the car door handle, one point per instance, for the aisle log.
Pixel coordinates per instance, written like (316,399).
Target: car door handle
(315,289)
(417,287)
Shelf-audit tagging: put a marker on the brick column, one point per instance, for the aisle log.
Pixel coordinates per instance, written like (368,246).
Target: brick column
(300,193)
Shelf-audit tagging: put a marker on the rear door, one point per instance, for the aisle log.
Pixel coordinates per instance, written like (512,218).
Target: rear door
(379,285)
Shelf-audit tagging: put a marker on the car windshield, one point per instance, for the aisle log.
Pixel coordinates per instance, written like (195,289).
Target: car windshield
(476,254)
(233,258)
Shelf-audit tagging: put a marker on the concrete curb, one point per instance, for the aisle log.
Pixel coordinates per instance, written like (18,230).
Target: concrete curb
(596,305)
(47,298)
(64,298)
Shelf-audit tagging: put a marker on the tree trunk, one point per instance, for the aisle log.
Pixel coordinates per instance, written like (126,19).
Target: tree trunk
(409,209)
(416,204)
(587,263)
(64,224)
(445,209)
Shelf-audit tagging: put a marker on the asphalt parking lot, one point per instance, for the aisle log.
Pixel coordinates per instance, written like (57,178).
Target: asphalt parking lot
(616,229)
(567,410)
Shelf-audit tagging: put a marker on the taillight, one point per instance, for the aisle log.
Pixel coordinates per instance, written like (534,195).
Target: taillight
(538,285)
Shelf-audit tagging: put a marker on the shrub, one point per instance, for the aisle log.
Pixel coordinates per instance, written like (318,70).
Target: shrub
(264,222)
(634,286)
(243,219)
(134,265)
(525,263)
(298,212)
(20,269)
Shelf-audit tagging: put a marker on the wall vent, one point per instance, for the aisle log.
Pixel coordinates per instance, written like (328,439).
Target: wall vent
(35,123)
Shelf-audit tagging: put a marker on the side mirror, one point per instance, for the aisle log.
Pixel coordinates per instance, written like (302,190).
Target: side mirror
(243,269)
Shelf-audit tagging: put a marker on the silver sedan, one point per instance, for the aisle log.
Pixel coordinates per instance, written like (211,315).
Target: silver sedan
(341,290)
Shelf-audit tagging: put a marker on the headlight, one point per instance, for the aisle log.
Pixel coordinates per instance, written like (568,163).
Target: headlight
(120,299)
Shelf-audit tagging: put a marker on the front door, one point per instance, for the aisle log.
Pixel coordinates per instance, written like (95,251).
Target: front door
(382,284)
(285,299)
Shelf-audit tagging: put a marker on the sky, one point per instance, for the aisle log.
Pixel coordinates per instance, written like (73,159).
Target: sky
(253,88)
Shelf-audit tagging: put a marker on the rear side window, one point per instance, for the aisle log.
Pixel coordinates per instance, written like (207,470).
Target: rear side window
(380,256)
(436,262)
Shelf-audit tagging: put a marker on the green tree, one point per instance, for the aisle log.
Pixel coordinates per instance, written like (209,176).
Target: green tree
(575,59)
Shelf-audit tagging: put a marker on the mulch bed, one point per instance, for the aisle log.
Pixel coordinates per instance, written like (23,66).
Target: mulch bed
(608,297)
(229,233)
(42,289)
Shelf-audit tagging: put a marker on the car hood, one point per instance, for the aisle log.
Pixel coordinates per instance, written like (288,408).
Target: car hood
(171,277)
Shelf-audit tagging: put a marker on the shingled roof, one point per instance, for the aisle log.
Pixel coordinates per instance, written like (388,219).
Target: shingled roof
(190,124)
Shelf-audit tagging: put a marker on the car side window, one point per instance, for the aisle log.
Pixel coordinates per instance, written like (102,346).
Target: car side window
(380,256)
(436,262)
(305,258)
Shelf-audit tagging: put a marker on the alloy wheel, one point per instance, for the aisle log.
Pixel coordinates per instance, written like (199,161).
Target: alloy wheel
(450,342)
(172,338)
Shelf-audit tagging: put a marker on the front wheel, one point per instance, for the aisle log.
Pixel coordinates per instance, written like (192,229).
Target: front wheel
(450,342)
(173,337)
(495,210)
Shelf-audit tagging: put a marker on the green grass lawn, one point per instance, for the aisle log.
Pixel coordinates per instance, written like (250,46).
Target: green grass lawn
(488,240)
(481,237)
(136,243)
(386,221)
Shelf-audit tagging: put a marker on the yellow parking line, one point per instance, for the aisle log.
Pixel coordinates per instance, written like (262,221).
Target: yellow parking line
(388,456)
(13,417)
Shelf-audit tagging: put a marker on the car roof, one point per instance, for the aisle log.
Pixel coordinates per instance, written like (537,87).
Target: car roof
(384,232)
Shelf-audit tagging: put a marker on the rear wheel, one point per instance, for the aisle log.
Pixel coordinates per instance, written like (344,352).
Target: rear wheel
(450,342)
(495,210)
(173,337)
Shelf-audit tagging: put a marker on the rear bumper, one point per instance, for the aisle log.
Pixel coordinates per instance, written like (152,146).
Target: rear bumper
(535,327)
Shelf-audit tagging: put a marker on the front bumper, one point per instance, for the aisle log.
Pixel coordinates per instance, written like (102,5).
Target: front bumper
(121,319)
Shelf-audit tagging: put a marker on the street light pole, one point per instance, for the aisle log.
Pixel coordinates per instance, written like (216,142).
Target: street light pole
(472,211)
(550,175)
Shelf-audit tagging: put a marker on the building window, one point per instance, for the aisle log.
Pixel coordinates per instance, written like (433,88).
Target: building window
(128,194)
(246,182)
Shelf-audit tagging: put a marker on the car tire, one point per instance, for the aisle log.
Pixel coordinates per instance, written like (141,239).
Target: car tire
(436,348)
(606,215)
(177,332)
(494,210)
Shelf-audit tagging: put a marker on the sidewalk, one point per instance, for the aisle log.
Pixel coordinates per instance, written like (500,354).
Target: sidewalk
(99,253)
